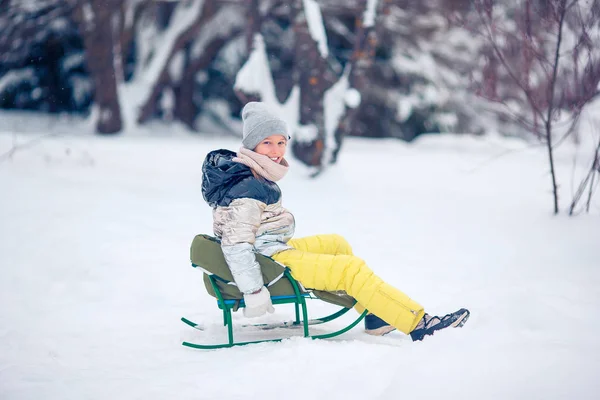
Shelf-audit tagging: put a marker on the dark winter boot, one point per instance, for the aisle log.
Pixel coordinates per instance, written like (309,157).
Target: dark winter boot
(376,326)
(429,324)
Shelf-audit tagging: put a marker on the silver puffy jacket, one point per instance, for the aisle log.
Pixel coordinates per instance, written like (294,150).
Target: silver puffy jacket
(246,226)
(247,216)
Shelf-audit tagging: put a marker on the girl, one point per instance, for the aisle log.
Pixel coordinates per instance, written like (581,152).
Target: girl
(249,218)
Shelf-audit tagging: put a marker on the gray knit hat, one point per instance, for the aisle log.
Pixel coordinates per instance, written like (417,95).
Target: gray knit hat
(260,122)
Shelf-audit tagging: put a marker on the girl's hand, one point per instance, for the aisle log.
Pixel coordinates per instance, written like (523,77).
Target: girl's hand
(258,303)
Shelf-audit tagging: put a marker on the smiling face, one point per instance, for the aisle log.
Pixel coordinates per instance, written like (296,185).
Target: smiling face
(273,147)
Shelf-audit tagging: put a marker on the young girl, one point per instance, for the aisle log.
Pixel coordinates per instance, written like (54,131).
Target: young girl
(249,218)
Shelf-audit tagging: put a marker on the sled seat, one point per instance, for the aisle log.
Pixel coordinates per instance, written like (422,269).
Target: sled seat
(206,256)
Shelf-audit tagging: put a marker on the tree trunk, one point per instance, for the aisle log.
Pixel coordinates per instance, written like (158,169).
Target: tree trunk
(314,78)
(252,28)
(362,59)
(185,108)
(94,18)
(254,23)
(549,118)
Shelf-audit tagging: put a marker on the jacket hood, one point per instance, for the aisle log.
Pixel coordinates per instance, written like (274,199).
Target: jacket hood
(219,174)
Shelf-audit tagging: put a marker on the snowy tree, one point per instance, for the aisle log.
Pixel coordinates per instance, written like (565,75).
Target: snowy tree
(169,61)
(314,78)
(96,19)
(314,103)
(153,51)
(303,109)
(357,73)
(418,75)
(42,58)
(196,32)
(332,68)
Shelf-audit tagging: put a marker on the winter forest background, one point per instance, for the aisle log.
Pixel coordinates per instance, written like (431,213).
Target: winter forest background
(334,68)
(439,137)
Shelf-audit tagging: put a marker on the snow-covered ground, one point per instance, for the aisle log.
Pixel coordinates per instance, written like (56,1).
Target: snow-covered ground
(95,272)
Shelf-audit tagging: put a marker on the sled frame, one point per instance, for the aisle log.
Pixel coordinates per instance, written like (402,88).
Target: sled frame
(301,316)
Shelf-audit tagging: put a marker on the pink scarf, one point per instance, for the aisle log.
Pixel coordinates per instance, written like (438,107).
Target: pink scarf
(262,165)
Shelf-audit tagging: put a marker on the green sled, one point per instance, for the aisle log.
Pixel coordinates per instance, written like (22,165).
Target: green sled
(207,256)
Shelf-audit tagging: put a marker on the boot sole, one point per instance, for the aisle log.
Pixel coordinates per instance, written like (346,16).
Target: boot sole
(383,330)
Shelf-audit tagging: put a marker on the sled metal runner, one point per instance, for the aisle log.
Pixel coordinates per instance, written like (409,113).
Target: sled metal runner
(298,298)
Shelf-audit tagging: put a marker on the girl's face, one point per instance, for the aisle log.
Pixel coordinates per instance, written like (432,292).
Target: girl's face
(273,147)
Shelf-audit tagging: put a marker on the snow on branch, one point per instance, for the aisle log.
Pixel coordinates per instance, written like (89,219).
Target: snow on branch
(255,79)
(255,75)
(316,26)
(13,77)
(335,101)
(223,24)
(183,18)
(370,13)
(88,15)
(139,93)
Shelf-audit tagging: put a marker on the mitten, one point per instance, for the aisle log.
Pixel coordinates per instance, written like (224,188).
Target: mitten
(258,304)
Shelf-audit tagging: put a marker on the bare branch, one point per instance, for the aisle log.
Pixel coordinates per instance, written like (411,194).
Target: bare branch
(492,41)
(551,103)
(15,147)
(588,182)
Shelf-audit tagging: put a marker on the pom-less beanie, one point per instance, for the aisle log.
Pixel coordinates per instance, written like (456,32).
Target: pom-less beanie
(259,123)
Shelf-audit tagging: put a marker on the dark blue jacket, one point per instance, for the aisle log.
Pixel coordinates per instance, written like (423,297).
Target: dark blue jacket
(224,180)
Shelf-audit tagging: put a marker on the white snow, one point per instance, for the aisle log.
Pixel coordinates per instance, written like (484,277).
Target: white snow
(105,115)
(88,14)
(316,27)
(447,121)
(231,56)
(31,5)
(176,66)
(154,51)
(72,61)
(405,106)
(183,17)
(95,274)
(167,104)
(352,98)
(59,25)
(223,24)
(202,77)
(370,13)
(255,78)
(129,13)
(306,133)
(82,88)
(334,102)
(13,77)
(36,93)
(216,118)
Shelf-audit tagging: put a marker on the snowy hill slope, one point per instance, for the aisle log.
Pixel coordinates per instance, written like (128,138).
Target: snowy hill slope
(94,274)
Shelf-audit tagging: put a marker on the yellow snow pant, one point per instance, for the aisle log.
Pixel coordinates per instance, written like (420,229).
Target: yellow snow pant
(326,262)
